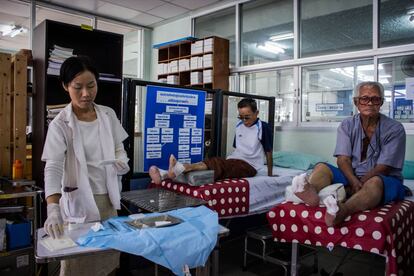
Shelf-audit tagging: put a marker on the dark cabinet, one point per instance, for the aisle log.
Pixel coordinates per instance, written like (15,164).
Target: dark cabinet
(104,48)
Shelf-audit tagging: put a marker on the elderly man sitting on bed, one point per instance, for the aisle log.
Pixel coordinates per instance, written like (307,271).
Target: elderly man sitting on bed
(370,151)
(252,143)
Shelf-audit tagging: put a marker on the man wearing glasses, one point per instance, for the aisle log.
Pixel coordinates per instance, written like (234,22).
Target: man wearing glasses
(252,143)
(370,150)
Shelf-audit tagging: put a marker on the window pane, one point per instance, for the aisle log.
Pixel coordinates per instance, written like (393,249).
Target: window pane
(278,84)
(327,90)
(396,22)
(267,31)
(329,27)
(396,73)
(222,24)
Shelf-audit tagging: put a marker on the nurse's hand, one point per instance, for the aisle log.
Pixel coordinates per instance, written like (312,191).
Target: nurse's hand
(54,222)
(121,167)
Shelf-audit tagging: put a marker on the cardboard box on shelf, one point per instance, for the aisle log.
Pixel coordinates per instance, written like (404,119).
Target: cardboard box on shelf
(208,45)
(197,47)
(173,66)
(196,77)
(196,63)
(172,79)
(208,60)
(184,65)
(207,76)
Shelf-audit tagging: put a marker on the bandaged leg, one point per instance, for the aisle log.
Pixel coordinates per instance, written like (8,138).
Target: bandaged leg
(335,212)
(175,167)
(157,174)
(304,190)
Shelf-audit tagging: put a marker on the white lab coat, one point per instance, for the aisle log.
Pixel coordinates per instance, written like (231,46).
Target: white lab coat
(64,143)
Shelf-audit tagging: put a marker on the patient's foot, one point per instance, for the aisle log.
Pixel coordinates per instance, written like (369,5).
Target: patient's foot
(336,212)
(155,174)
(304,190)
(171,164)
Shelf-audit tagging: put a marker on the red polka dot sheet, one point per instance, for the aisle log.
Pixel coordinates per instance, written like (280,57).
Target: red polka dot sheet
(228,197)
(387,230)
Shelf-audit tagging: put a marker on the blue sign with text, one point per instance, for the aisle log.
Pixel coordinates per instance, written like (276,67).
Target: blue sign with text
(174,124)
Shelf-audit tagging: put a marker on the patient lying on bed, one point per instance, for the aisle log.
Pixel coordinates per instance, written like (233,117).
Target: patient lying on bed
(370,151)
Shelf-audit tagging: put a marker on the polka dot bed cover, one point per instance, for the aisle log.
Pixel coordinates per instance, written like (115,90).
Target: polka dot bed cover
(387,230)
(228,197)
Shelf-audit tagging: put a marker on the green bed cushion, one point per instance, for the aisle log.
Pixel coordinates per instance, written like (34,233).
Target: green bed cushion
(408,169)
(296,160)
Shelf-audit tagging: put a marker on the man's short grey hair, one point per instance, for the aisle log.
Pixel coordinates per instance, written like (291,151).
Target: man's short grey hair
(375,84)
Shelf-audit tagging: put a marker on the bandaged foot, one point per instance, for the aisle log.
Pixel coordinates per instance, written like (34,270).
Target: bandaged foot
(304,190)
(335,212)
(331,205)
(175,167)
(157,175)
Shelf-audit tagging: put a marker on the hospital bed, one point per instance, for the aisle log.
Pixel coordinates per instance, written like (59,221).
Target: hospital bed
(240,197)
(387,230)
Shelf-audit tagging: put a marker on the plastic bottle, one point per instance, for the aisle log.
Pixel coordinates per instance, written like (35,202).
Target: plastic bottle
(17,169)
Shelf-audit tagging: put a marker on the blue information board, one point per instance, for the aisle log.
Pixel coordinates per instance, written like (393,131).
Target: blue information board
(174,124)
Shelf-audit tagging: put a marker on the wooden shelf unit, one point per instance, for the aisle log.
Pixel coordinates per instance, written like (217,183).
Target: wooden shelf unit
(182,50)
(104,48)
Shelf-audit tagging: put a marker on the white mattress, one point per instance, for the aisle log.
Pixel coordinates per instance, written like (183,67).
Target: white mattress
(267,191)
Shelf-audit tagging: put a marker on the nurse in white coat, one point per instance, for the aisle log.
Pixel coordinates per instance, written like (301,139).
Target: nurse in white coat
(79,187)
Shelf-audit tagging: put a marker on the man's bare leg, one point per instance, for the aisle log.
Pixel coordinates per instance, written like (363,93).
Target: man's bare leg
(319,179)
(172,169)
(367,198)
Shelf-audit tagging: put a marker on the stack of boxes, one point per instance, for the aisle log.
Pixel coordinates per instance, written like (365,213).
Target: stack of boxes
(173,66)
(197,47)
(196,63)
(162,68)
(196,77)
(184,65)
(208,45)
(173,79)
(193,62)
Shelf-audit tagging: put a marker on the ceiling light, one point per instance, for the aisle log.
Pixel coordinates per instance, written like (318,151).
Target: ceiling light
(271,47)
(281,37)
(12,30)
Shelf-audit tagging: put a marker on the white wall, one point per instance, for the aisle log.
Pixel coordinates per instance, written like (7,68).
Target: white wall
(168,32)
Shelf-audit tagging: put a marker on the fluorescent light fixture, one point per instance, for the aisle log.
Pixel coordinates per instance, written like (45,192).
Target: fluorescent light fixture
(271,47)
(281,37)
(12,30)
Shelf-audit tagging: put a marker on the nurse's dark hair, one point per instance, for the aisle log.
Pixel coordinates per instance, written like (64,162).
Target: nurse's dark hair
(248,102)
(73,66)
(374,84)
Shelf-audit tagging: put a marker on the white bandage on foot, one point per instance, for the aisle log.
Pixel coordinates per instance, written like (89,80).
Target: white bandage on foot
(298,183)
(331,205)
(178,168)
(163,173)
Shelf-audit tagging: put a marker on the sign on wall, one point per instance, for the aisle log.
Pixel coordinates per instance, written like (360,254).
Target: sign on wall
(174,124)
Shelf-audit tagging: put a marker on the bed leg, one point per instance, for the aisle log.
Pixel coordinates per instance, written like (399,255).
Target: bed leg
(245,253)
(293,262)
